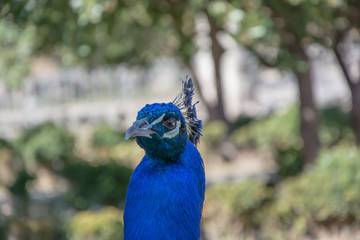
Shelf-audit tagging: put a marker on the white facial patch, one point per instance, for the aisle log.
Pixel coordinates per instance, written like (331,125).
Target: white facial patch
(173,132)
(159,119)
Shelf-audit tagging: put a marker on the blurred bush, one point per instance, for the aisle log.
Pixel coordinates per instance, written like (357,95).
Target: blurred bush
(45,144)
(5,144)
(8,163)
(108,143)
(106,224)
(127,153)
(214,133)
(335,126)
(17,45)
(31,229)
(330,190)
(19,186)
(240,199)
(242,121)
(3,228)
(325,195)
(96,184)
(282,130)
(105,135)
(279,134)
(289,161)
(279,130)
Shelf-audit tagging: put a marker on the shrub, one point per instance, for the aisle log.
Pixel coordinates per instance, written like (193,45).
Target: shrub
(9,163)
(240,198)
(280,135)
(214,133)
(45,144)
(280,130)
(326,194)
(19,186)
(289,162)
(105,224)
(335,126)
(106,136)
(3,228)
(5,144)
(102,184)
(127,153)
(242,121)
(330,190)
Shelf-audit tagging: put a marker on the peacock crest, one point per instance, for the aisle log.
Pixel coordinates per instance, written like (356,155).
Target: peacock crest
(184,102)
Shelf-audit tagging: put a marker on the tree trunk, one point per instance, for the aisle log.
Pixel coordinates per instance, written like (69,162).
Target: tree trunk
(218,111)
(355,94)
(308,112)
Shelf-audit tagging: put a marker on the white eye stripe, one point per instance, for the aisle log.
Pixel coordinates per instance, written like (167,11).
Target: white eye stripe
(173,132)
(159,119)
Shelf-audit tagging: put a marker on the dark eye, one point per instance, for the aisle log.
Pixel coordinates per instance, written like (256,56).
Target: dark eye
(170,123)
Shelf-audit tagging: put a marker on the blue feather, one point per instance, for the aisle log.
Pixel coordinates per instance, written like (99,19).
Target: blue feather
(164,201)
(184,102)
(166,191)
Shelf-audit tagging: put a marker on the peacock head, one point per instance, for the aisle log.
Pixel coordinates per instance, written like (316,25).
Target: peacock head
(163,129)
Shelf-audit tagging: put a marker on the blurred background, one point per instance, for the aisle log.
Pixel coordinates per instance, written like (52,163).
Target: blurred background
(279,90)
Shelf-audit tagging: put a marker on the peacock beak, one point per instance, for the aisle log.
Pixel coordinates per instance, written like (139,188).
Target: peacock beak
(140,128)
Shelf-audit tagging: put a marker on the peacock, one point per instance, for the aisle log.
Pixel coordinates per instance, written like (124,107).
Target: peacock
(165,195)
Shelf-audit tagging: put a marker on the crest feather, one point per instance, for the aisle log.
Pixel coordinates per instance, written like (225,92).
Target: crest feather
(184,102)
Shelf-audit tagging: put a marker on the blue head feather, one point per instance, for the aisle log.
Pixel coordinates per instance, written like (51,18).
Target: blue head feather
(184,102)
(153,111)
(166,191)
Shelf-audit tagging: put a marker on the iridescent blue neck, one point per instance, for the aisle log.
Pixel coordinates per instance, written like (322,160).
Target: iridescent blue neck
(164,199)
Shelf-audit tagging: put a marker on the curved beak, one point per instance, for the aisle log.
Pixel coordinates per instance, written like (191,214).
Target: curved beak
(140,128)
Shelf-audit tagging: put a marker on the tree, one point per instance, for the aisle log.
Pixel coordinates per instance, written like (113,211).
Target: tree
(101,32)
(275,32)
(183,14)
(346,19)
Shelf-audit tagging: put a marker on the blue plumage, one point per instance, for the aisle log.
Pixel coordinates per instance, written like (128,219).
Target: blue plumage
(166,191)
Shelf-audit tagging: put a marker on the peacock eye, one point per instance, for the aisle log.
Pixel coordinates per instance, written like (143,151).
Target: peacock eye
(170,123)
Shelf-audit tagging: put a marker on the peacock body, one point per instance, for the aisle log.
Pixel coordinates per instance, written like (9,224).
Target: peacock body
(166,191)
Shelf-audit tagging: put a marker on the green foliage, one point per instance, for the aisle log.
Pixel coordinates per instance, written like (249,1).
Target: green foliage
(17,46)
(278,130)
(335,126)
(3,228)
(101,184)
(96,32)
(281,130)
(329,191)
(105,224)
(242,121)
(241,198)
(276,32)
(5,144)
(325,195)
(19,186)
(279,133)
(45,144)
(289,162)
(214,133)
(105,135)
(127,152)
